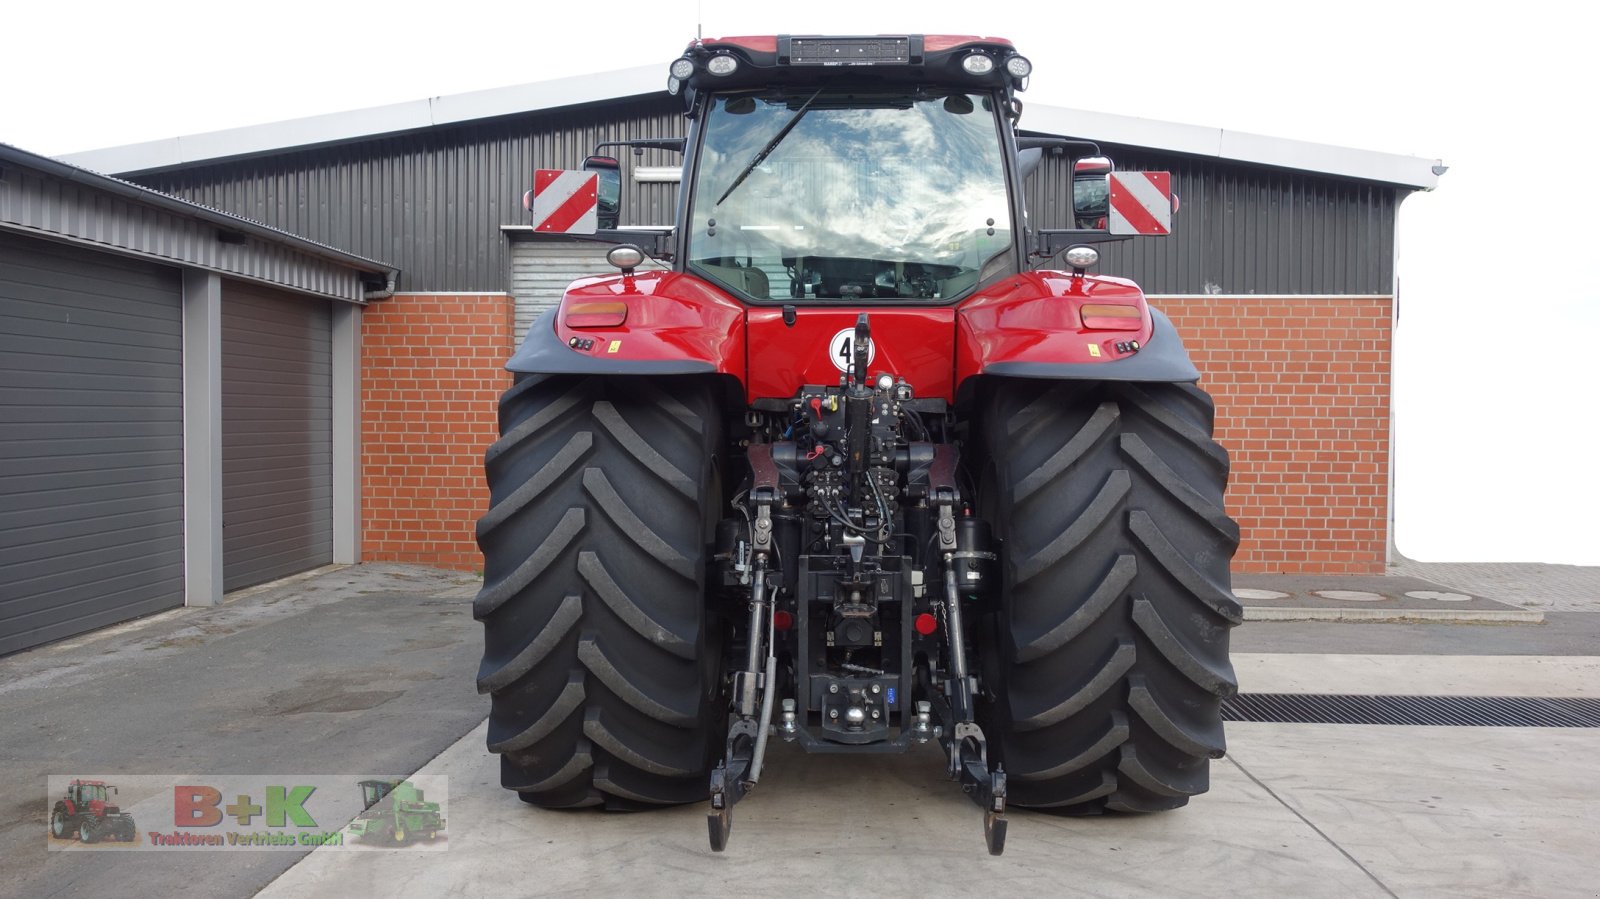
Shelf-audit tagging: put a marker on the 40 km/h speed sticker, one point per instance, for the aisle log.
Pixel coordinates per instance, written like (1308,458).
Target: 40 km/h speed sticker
(842,349)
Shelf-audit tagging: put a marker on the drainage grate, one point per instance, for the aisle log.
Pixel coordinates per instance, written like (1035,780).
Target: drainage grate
(1454,711)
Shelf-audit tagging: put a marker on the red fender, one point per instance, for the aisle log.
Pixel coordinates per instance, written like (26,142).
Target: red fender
(673,324)
(1037,317)
(1035,324)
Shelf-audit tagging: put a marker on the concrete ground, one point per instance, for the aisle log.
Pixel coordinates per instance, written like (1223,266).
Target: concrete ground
(370,669)
(354,670)
(1560,588)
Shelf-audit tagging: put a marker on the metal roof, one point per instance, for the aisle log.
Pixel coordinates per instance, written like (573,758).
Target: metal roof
(138,193)
(254,140)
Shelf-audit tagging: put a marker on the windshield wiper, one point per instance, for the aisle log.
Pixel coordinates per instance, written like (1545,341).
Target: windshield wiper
(766,150)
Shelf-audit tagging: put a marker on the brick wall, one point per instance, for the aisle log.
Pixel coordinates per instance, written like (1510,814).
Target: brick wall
(1302,391)
(431,372)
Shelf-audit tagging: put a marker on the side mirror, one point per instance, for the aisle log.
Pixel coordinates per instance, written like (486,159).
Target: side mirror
(1091,192)
(610,188)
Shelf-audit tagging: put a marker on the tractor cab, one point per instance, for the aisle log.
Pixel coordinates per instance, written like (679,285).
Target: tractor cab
(842,169)
(86,792)
(373,791)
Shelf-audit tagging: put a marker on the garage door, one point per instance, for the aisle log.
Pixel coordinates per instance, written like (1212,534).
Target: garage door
(277,437)
(91,440)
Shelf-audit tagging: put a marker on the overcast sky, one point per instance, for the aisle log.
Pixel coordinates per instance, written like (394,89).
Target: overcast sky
(1498,353)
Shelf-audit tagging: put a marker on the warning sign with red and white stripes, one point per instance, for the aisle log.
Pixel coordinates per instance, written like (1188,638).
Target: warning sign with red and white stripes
(1141,203)
(565,202)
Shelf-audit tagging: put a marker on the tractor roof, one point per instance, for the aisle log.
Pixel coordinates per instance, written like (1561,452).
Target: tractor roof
(945,60)
(88,783)
(769,43)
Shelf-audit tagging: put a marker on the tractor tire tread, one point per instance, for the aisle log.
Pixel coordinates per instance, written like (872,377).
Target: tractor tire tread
(598,642)
(1108,649)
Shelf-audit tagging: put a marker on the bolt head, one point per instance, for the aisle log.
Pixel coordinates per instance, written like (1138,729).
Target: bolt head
(877,688)
(833,713)
(833,688)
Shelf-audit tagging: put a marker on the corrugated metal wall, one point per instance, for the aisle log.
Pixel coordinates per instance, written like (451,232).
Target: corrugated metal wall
(1244,229)
(433,202)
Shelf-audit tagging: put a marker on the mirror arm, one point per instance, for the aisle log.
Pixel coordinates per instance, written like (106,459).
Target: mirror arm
(670,144)
(1049,241)
(661,245)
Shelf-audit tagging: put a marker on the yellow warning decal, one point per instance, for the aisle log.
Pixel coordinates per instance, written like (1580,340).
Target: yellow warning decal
(617,345)
(1094,349)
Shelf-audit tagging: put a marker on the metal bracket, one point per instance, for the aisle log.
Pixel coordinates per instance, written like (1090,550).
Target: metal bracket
(969,752)
(943,493)
(730,782)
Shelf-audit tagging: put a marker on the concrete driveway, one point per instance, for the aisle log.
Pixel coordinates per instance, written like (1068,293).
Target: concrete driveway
(370,669)
(358,669)
(1305,810)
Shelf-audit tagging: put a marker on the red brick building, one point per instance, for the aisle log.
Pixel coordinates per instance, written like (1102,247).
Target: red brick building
(1279,276)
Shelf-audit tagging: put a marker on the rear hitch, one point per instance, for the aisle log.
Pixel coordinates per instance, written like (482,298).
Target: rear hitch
(969,748)
(740,769)
(730,782)
(987,788)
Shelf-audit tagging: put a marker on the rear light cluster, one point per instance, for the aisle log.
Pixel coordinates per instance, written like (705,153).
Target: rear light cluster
(1111,317)
(596,315)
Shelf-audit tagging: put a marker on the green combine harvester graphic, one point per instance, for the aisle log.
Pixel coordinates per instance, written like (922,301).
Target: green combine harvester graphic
(406,816)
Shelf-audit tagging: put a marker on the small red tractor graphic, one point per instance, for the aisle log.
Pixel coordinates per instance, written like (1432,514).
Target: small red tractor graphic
(87,814)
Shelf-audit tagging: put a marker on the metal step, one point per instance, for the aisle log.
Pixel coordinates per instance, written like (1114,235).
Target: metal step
(1447,711)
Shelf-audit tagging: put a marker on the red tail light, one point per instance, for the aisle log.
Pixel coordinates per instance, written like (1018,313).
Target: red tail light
(596,315)
(1111,317)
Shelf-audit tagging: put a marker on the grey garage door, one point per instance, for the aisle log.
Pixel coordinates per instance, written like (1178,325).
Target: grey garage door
(91,440)
(277,434)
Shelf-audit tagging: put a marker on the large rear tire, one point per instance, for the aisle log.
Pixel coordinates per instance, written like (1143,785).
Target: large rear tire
(598,651)
(1107,657)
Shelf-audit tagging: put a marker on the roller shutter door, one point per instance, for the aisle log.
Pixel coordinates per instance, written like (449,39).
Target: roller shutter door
(91,440)
(277,438)
(541,271)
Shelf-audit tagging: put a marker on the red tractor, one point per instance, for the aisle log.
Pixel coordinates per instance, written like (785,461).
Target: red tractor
(857,467)
(86,813)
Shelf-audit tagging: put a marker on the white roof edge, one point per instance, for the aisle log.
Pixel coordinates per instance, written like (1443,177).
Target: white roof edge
(1102,127)
(371,122)
(1236,146)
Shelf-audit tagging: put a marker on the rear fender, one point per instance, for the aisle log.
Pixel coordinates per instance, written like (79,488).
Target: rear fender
(675,324)
(1033,326)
